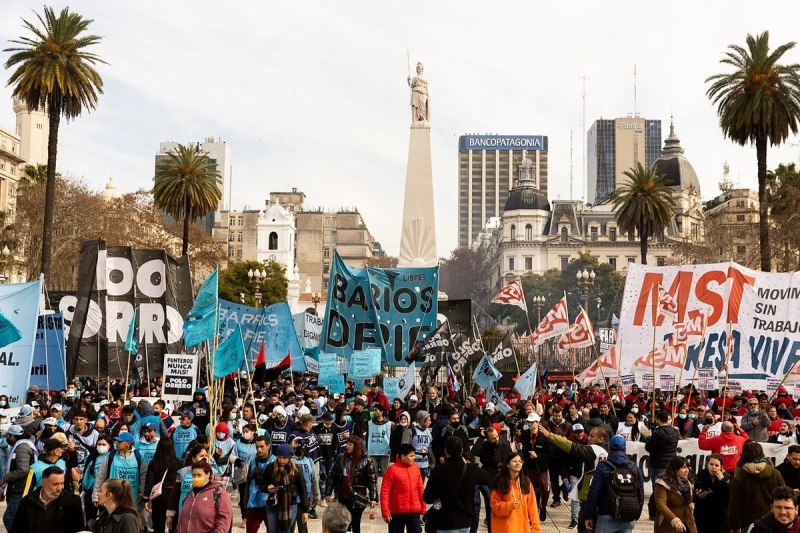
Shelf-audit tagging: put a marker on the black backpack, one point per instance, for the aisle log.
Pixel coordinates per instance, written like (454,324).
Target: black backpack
(623,493)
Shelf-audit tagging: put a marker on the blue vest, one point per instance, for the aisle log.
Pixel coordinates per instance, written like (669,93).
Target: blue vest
(40,466)
(255,498)
(147,450)
(186,485)
(378,438)
(306,466)
(245,451)
(90,474)
(127,469)
(421,441)
(181,438)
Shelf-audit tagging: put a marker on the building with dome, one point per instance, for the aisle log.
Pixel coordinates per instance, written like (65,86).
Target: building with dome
(535,235)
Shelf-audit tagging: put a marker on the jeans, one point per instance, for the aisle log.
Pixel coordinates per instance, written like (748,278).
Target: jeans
(272,520)
(575,505)
(381,464)
(409,522)
(325,467)
(12,502)
(606,524)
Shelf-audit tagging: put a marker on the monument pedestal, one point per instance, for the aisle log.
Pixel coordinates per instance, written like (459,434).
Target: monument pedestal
(418,235)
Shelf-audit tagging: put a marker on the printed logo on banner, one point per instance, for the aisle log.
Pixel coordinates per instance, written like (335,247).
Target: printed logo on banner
(21,303)
(647,382)
(707,379)
(180,374)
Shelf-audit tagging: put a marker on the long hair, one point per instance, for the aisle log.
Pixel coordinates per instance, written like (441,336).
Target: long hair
(165,459)
(502,481)
(291,468)
(121,491)
(191,453)
(752,452)
(670,473)
(356,455)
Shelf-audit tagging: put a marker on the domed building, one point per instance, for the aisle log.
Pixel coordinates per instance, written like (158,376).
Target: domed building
(536,235)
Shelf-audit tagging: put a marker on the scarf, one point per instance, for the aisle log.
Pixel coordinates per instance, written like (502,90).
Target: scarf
(675,482)
(794,527)
(284,498)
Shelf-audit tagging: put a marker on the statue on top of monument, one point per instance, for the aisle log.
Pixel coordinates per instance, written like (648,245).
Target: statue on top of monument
(526,167)
(420,101)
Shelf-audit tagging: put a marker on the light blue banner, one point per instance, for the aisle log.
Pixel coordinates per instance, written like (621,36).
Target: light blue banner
(19,302)
(273,325)
(391,389)
(365,363)
(389,309)
(328,364)
(48,369)
(333,382)
(199,323)
(229,355)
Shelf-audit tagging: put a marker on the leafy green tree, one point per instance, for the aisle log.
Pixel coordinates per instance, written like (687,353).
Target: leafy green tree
(783,185)
(235,285)
(465,275)
(34,174)
(54,71)
(643,203)
(186,186)
(758,103)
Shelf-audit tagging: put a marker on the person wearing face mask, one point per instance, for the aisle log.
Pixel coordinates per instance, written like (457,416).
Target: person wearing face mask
(396,438)
(343,426)
(148,443)
(184,434)
(311,476)
(183,482)
(328,446)
(279,427)
(454,428)
(244,450)
(755,421)
(207,506)
(686,422)
(287,497)
(223,444)
(90,470)
(20,458)
(124,462)
(4,401)
(50,508)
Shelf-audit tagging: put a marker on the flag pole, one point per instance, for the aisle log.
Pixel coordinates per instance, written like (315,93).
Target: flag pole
(653,349)
(727,375)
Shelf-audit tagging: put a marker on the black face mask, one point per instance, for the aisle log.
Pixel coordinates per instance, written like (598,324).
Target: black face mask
(709,421)
(455,424)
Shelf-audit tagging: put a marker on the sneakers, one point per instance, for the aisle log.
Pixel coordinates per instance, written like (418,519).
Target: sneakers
(572,524)
(543,513)
(556,503)
(312,513)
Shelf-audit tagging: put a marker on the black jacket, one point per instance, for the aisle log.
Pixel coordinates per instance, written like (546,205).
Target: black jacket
(541,446)
(365,482)
(439,438)
(360,423)
(120,521)
(63,515)
(297,487)
(767,524)
(491,455)
(711,511)
(458,507)
(662,446)
(791,475)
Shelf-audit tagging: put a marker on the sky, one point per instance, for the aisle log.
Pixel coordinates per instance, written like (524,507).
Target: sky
(313,94)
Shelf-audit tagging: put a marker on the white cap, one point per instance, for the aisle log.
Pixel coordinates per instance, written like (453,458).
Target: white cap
(34,404)
(489,407)
(50,421)
(413,398)
(560,391)
(103,402)
(304,411)
(279,410)
(577,427)
(56,407)
(533,417)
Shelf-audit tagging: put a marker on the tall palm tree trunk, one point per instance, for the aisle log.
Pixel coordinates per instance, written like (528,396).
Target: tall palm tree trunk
(763,203)
(643,245)
(186,223)
(50,191)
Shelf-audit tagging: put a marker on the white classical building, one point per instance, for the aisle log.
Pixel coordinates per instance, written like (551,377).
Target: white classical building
(275,241)
(535,235)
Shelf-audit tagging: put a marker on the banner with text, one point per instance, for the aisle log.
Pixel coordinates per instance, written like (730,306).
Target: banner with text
(309,328)
(180,377)
(388,309)
(48,369)
(19,304)
(752,325)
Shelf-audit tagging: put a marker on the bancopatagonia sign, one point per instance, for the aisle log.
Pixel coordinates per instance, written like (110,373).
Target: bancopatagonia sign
(504,142)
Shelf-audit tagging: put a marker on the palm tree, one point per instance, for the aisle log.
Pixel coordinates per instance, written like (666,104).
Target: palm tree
(643,203)
(187,186)
(55,72)
(34,174)
(758,102)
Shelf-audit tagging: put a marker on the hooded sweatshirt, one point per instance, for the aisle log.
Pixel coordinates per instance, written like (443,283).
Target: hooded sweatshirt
(421,440)
(147,415)
(224,445)
(202,417)
(726,444)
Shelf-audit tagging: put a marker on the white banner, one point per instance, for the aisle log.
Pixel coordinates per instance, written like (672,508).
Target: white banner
(180,377)
(752,323)
(309,329)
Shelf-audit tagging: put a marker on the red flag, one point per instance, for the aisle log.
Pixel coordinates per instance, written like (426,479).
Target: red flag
(580,334)
(554,323)
(262,356)
(667,304)
(270,371)
(511,294)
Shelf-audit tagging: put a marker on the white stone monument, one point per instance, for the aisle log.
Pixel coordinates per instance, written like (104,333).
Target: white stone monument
(418,235)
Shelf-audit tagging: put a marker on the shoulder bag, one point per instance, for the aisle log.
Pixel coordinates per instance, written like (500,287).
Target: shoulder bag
(155,492)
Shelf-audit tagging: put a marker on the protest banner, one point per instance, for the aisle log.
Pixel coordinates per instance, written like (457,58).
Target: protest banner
(19,310)
(180,377)
(707,379)
(647,382)
(757,310)
(365,363)
(328,364)
(772,386)
(48,369)
(311,365)
(628,380)
(391,389)
(388,309)
(309,329)
(666,382)
(334,383)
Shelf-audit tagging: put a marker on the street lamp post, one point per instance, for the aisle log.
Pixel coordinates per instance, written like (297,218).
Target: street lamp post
(538,303)
(585,282)
(316,298)
(255,277)
(4,255)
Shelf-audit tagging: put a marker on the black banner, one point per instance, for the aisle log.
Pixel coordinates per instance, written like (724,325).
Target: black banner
(503,354)
(111,283)
(430,349)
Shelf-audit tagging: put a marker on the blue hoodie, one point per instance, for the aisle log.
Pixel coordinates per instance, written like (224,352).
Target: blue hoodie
(597,504)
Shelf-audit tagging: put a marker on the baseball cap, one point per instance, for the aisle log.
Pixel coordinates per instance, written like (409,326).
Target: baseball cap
(52,444)
(34,404)
(148,427)
(188,414)
(489,407)
(15,430)
(617,443)
(71,394)
(413,398)
(337,396)
(262,418)
(124,437)
(577,427)
(533,417)
(298,396)
(304,411)
(56,407)
(26,410)
(103,402)
(50,421)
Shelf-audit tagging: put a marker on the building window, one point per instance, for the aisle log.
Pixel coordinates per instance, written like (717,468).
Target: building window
(326,268)
(273,241)
(564,263)
(529,263)
(230,251)
(39,126)
(511,263)
(741,249)
(739,218)
(631,259)
(239,237)
(612,234)
(660,238)
(326,252)
(513,234)
(613,262)
(333,236)
(661,261)
(241,221)
(231,237)
(528,232)
(564,234)
(324,284)
(593,232)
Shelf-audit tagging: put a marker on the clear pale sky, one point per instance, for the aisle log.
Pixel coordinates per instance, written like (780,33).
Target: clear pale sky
(313,95)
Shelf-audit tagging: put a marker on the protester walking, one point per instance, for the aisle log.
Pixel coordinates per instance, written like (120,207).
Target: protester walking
(673,495)
(162,473)
(402,502)
(662,447)
(208,506)
(353,476)
(753,482)
(120,516)
(712,494)
(514,506)
(50,508)
(22,455)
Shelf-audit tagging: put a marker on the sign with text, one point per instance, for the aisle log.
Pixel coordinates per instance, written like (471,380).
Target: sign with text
(309,328)
(647,382)
(333,382)
(391,388)
(388,309)
(328,364)
(365,363)
(707,379)
(48,369)
(747,320)
(19,305)
(180,376)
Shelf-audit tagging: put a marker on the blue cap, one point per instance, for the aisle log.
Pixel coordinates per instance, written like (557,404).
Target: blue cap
(285,450)
(26,410)
(124,437)
(146,427)
(617,443)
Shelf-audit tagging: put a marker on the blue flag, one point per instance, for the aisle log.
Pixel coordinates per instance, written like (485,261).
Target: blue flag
(199,323)
(229,355)
(131,340)
(485,373)
(8,331)
(526,383)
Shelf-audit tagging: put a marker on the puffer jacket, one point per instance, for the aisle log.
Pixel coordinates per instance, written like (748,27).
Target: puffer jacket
(202,513)
(728,445)
(670,504)
(401,492)
(750,491)
(597,504)
(662,446)
(365,482)
(23,458)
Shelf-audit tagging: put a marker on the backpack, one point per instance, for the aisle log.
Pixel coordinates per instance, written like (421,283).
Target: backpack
(623,493)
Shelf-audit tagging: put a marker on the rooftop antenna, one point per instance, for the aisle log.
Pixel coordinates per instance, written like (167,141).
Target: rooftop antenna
(634,91)
(583,136)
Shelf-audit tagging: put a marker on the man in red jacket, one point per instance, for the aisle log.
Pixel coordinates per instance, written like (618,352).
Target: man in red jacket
(727,444)
(376,395)
(401,493)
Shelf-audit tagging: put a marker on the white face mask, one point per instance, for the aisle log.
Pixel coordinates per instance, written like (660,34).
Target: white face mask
(102,450)
(403,422)
(220,435)
(232,416)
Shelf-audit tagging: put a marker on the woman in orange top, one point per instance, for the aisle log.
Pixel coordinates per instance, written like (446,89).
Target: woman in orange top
(514,506)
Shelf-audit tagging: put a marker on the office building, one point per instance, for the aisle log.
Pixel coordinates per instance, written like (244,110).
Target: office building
(614,146)
(485,176)
(33,129)
(732,225)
